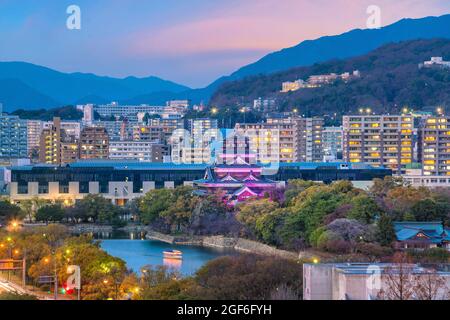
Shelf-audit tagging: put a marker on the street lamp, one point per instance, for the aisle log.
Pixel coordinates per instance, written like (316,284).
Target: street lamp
(214,110)
(243,111)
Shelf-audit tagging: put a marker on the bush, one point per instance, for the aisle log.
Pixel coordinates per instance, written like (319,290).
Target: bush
(373,250)
(249,277)
(16,296)
(433,255)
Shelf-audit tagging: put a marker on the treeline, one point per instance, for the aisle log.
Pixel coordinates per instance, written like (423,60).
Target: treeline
(103,277)
(65,113)
(52,248)
(90,209)
(341,219)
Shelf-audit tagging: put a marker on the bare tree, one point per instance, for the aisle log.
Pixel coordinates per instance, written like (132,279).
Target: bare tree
(399,280)
(430,286)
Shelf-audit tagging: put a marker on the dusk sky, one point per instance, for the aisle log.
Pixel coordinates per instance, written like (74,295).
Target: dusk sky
(192,42)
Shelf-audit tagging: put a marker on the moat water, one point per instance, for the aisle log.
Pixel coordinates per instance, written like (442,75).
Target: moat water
(138,252)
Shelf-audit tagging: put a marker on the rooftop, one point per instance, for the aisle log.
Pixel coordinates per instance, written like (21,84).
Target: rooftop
(139,165)
(371,268)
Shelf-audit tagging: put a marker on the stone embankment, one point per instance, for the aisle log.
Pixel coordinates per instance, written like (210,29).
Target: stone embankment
(89,228)
(238,244)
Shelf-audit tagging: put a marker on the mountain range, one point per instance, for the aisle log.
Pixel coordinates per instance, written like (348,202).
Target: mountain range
(28,86)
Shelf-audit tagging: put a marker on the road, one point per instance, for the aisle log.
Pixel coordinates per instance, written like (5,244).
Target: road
(8,286)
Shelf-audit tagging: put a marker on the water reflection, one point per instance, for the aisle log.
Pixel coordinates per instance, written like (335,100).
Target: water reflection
(175,264)
(117,234)
(138,254)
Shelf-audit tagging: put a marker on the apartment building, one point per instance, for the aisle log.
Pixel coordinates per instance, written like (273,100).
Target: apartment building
(146,151)
(270,142)
(308,139)
(434,146)
(34,130)
(117,130)
(197,144)
(13,137)
(379,140)
(285,139)
(72,128)
(56,146)
(265,104)
(130,112)
(150,133)
(50,143)
(94,143)
(332,143)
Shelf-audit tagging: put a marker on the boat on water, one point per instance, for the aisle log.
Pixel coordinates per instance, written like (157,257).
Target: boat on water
(173,254)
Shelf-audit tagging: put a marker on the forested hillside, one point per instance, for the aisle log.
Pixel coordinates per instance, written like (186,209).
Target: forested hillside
(390,79)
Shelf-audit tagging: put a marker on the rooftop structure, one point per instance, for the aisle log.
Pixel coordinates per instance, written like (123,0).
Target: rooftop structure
(121,181)
(316,81)
(364,281)
(435,61)
(238,180)
(422,235)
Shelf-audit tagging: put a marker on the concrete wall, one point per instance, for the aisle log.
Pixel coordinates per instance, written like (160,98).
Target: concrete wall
(117,190)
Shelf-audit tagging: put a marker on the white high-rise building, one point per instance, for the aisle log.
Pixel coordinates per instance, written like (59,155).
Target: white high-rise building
(145,151)
(88,114)
(332,143)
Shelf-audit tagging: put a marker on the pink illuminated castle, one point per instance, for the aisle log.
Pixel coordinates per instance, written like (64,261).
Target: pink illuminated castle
(237,179)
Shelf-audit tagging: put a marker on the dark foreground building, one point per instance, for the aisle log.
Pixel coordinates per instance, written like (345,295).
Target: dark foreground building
(124,181)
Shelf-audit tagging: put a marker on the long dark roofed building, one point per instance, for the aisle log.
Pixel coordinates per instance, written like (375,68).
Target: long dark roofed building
(124,181)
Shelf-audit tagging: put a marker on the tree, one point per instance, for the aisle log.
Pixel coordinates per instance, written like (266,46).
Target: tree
(253,214)
(399,279)
(247,277)
(385,232)
(401,199)
(295,187)
(179,212)
(9,211)
(96,208)
(30,207)
(49,213)
(428,210)
(153,203)
(381,187)
(431,286)
(350,230)
(211,216)
(364,209)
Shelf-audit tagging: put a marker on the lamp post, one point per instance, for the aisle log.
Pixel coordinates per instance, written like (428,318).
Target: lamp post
(52,244)
(243,111)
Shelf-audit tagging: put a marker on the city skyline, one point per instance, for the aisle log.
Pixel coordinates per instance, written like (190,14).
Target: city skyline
(191,43)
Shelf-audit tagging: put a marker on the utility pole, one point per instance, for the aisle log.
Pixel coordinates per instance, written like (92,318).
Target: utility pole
(24,269)
(55,276)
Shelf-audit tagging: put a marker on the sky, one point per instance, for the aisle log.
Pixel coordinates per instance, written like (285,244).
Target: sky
(192,42)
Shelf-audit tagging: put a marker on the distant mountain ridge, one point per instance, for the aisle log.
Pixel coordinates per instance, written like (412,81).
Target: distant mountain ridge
(350,44)
(52,88)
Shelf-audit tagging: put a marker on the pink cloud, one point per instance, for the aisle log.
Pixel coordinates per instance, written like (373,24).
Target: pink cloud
(268,25)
